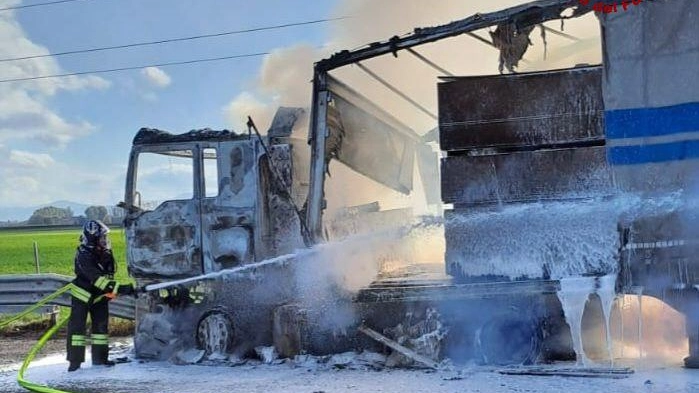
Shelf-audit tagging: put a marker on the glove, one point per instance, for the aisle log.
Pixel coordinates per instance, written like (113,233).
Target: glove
(140,290)
(126,289)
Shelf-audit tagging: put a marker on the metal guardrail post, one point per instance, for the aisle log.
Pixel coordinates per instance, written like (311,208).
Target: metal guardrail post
(36,258)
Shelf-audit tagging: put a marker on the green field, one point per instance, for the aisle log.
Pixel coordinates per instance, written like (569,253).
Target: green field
(56,253)
(56,250)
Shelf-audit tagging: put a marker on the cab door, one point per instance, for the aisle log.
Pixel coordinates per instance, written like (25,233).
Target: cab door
(228,197)
(162,223)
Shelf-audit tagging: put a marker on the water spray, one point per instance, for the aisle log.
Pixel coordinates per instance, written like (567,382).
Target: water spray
(425,222)
(210,276)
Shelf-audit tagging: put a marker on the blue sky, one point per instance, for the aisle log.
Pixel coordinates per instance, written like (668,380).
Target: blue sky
(69,138)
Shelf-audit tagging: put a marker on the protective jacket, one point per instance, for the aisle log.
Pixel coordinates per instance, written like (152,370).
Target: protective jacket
(94,270)
(94,286)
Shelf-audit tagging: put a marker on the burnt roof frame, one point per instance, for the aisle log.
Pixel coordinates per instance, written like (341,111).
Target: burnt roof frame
(535,12)
(528,14)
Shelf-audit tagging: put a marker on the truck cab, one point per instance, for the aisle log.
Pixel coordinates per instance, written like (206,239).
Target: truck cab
(205,201)
(198,203)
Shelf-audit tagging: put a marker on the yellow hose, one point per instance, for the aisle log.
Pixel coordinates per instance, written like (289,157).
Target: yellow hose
(34,387)
(38,304)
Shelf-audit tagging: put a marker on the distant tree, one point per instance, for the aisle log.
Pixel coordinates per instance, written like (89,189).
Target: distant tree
(97,213)
(50,215)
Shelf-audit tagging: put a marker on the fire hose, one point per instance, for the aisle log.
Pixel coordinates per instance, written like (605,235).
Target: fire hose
(31,386)
(35,387)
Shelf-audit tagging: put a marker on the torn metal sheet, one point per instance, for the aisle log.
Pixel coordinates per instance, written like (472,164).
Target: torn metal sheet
(283,122)
(369,140)
(512,42)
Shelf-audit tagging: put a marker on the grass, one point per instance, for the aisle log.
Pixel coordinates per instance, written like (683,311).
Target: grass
(56,253)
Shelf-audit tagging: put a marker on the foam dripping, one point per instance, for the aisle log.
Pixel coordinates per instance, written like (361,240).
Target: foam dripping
(574,295)
(607,294)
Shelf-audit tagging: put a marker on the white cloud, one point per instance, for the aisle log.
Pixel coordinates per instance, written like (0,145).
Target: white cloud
(167,170)
(156,77)
(26,117)
(284,80)
(14,43)
(29,179)
(31,160)
(25,113)
(21,187)
(29,176)
(149,96)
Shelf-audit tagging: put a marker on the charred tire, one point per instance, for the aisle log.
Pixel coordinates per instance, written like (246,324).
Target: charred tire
(215,332)
(509,339)
(691,362)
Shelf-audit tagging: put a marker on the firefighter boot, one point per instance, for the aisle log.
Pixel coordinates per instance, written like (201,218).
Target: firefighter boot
(73,366)
(100,350)
(107,363)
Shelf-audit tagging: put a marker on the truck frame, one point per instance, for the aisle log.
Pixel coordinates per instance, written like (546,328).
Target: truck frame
(249,200)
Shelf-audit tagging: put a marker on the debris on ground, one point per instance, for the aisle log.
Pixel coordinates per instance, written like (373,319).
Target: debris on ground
(586,372)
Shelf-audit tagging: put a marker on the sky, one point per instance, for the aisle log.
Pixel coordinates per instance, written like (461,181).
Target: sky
(69,138)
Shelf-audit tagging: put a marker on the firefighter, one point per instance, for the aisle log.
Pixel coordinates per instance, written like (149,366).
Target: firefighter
(93,287)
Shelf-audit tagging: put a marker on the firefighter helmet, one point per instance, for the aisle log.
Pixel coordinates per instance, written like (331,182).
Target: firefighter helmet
(95,234)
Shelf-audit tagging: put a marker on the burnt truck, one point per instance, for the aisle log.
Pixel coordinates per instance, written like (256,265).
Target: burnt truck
(548,179)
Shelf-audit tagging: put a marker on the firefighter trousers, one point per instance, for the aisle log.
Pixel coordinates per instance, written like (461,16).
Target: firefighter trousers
(99,314)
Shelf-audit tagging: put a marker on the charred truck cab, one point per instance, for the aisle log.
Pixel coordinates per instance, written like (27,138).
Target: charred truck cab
(198,203)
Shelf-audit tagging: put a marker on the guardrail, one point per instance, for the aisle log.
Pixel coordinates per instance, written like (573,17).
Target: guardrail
(28,289)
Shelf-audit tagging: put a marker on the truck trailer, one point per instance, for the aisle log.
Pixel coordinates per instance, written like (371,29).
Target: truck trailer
(559,187)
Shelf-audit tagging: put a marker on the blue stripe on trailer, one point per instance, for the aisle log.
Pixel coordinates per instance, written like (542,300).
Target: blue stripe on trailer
(664,152)
(649,122)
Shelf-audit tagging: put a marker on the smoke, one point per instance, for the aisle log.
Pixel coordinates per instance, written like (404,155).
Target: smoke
(329,278)
(244,105)
(285,79)
(285,76)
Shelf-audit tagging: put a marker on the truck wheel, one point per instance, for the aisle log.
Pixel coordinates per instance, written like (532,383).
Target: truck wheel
(215,332)
(509,340)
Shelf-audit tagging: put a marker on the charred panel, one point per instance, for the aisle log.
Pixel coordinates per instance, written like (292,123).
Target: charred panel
(660,252)
(661,266)
(165,241)
(526,176)
(519,110)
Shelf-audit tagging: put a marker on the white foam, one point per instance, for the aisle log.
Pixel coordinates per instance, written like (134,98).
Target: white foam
(573,296)
(559,238)
(607,295)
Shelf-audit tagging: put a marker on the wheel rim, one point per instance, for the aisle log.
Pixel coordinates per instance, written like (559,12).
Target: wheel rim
(508,341)
(215,333)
